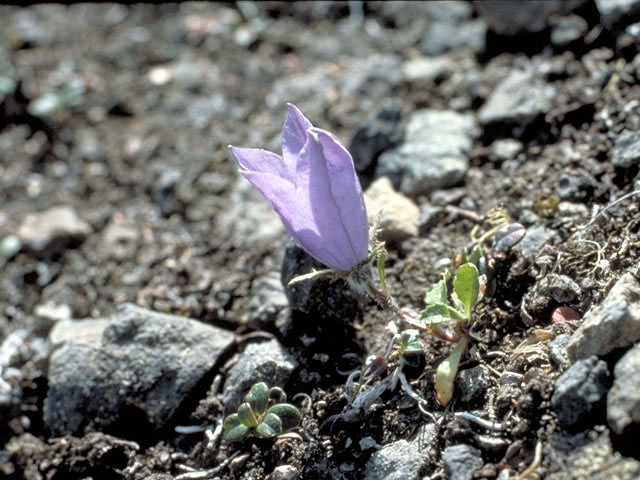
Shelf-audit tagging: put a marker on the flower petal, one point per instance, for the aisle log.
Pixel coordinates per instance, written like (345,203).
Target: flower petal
(322,223)
(294,136)
(346,191)
(258,160)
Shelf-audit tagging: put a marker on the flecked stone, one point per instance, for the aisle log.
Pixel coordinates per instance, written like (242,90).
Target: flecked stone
(52,228)
(260,362)
(615,323)
(623,401)
(580,390)
(402,459)
(519,98)
(136,359)
(433,154)
(613,12)
(460,461)
(626,151)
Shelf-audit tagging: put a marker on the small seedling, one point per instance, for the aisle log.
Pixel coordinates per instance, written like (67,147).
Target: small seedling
(263,409)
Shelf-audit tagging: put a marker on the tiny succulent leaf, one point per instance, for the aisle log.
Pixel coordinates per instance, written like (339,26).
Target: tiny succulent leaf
(236,433)
(475,255)
(446,373)
(270,426)
(277,395)
(231,421)
(247,416)
(258,398)
(467,287)
(289,415)
(508,236)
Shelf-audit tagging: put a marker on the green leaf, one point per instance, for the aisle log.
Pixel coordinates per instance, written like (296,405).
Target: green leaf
(466,287)
(231,421)
(258,398)
(289,415)
(439,313)
(409,342)
(247,416)
(475,255)
(277,395)
(236,433)
(446,373)
(437,295)
(270,426)
(381,271)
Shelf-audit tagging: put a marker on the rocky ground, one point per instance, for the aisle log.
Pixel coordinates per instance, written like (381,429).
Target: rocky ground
(143,280)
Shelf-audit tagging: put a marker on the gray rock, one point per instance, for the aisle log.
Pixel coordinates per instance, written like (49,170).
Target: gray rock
(615,323)
(559,287)
(267,299)
(52,229)
(429,217)
(558,350)
(472,383)
(517,99)
(580,390)
(398,215)
(137,359)
(571,186)
(460,461)
(284,472)
(403,460)
(581,456)
(376,135)
(566,30)
(9,246)
(324,296)
(613,12)
(425,70)
(626,151)
(537,236)
(440,37)
(504,149)
(260,362)
(508,18)
(623,401)
(433,154)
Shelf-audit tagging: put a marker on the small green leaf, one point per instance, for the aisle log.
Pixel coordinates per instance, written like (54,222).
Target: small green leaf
(270,426)
(437,295)
(446,373)
(439,313)
(289,415)
(258,398)
(236,433)
(476,254)
(381,271)
(231,421)
(277,395)
(247,416)
(466,287)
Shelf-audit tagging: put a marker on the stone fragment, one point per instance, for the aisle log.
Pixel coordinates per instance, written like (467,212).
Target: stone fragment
(626,151)
(537,236)
(377,134)
(558,350)
(517,99)
(434,152)
(425,70)
(614,12)
(505,149)
(398,215)
(566,30)
(472,383)
(402,459)
(580,391)
(623,401)
(441,37)
(260,362)
(509,18)
(460,461)
(135,361)
(52,229)
(615,323)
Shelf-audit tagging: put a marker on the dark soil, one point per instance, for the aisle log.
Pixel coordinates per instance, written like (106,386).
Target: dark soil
(166,89)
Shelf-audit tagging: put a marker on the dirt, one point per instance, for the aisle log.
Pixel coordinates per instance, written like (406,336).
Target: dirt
(142,152)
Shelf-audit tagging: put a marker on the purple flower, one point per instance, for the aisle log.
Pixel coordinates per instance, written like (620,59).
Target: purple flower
(314,189)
